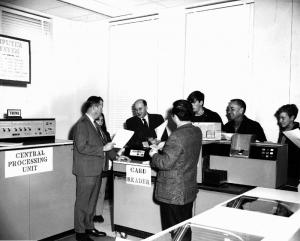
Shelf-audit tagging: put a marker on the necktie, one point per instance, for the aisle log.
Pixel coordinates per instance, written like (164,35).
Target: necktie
(145,122)
(98,128)
(102,135)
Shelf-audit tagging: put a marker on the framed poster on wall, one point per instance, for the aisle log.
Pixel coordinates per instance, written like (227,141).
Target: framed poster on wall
(15,61)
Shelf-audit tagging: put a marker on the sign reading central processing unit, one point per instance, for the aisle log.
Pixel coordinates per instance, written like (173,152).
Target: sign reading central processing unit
(138,175)
(28,161)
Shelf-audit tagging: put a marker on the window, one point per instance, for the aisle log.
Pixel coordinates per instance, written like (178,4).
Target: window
(218,53)
(132,42)
(24,25)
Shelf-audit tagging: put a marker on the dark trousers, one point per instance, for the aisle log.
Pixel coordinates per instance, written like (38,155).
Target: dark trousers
(87,192)
(173,214)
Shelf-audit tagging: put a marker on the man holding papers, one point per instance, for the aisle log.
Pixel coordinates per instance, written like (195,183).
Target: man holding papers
(90,151)
(143,124)
(176,183)
(288,130)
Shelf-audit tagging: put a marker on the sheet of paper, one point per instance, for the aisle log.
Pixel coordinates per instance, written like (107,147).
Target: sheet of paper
(294,136)
(122,137)
(160,130)
(161,145)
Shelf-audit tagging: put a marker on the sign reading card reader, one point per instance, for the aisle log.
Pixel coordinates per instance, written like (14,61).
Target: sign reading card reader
(138,175)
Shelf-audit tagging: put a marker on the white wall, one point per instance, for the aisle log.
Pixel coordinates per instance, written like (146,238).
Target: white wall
(276,60)
(295,56)
(79,70)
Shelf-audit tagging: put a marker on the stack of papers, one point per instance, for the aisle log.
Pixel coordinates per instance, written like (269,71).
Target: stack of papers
(294,136)
(160,130)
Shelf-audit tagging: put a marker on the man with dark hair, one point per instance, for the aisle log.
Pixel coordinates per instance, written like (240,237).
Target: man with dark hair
(176,184)
(143,124)
(286,119)
(202,114)
(239,123)
(88,161)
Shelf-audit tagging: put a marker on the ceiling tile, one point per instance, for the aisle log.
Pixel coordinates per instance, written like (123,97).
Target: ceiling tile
(87,10)
(37,5)
(148,7)
(67,12)
(89,18)
(123,3)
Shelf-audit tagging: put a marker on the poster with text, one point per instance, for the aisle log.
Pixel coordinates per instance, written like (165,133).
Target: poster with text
(15,63)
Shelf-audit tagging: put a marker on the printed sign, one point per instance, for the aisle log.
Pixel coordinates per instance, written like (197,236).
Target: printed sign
(13,113)
(138,175)
(139,153)
(15,59)
(28,161)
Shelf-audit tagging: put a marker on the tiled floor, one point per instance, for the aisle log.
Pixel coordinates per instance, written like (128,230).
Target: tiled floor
(106,227)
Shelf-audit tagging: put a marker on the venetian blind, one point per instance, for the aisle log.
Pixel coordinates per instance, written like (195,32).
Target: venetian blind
(24,25)
(218,53)
(133,68)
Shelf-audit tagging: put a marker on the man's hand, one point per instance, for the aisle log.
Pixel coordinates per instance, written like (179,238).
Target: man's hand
(121,151)
(109,146)
(153,150)
(123,158)
(153,141)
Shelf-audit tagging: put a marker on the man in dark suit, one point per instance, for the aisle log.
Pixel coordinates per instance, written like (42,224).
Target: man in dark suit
(238,122)
(176,183)
(143,124)
(88,161)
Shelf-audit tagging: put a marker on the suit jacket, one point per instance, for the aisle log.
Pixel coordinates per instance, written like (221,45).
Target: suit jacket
(141,133)
(247,126)
(88,155)
(176,181)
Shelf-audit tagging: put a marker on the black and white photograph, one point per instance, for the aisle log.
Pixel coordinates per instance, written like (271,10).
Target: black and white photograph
(155,120)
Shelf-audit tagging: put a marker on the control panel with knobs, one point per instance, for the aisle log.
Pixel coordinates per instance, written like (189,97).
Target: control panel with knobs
(20,128)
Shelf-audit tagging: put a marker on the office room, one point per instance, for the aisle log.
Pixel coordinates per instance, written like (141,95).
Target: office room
(159,51)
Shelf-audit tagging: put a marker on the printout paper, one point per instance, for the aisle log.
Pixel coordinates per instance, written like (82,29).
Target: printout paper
(160,130)
(122,137)
(294,136)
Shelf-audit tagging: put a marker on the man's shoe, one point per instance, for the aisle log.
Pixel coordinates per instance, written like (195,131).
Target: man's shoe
(83,237)
(98,219)
(95,232)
